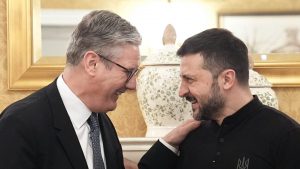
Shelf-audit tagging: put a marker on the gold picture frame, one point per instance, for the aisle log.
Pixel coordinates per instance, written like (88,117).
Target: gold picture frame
(281,69)
(27,70)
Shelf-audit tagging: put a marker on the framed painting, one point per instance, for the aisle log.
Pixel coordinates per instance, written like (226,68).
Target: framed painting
(274,58)
(273,40)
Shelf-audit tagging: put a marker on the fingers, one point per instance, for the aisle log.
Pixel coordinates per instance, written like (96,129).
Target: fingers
(190,125)
(177,135)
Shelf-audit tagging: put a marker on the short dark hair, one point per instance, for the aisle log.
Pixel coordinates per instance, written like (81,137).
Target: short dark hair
(220,50)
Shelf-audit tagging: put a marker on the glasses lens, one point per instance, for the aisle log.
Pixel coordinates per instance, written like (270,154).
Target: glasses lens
(131,74)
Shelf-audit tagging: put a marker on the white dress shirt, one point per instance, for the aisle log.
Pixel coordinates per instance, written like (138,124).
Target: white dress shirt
(79,113)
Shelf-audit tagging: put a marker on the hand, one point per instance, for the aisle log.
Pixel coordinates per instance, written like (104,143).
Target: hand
(177,135)
(130,164)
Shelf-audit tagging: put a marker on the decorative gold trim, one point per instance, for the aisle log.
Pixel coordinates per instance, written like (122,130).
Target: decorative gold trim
(23,34)
(282,70)
(27,70)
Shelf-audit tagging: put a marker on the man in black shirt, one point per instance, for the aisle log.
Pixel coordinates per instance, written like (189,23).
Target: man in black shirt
(238,132)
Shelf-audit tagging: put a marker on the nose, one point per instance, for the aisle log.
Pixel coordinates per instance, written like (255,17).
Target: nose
(131,84)
(183,90)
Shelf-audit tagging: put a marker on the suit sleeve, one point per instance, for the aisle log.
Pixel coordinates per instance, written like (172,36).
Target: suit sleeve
(158,157)
(16,144)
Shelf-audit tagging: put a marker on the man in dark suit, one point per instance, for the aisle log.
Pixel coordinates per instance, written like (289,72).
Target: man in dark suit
(51,128)
(238,131)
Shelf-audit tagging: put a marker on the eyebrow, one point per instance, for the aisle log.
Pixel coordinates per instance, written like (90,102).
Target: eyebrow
(187,76)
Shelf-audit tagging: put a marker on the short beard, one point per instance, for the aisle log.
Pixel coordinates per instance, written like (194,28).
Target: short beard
(212,107)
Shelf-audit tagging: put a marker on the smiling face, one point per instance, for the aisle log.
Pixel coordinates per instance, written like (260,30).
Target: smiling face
(110,80)
(200,88)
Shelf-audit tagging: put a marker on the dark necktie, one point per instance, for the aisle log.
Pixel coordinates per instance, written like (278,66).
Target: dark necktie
(95,139)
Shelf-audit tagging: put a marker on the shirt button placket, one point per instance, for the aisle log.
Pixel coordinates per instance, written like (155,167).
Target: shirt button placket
(221,140)
(218,153)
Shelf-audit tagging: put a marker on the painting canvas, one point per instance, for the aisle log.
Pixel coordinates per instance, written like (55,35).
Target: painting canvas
(265,33)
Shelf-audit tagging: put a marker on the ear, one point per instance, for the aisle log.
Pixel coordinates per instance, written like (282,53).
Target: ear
(90,62)
(228,78)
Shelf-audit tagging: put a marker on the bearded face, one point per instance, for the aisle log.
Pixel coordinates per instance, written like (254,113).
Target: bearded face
(200,88)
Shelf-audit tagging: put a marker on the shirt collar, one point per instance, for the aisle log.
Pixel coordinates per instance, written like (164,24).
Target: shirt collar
(77,110)
(250,109)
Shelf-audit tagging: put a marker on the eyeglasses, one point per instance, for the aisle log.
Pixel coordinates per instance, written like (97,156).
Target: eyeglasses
(130,72)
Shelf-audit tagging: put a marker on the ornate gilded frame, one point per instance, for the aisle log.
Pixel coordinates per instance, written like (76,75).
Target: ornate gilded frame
(27,70)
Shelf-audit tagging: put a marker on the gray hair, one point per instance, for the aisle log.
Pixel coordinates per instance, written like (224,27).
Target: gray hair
(100,31)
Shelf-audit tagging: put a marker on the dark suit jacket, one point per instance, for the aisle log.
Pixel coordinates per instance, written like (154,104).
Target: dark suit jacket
(36,133)
(158,157)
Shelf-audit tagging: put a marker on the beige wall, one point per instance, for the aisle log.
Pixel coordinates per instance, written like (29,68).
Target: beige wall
(127,117)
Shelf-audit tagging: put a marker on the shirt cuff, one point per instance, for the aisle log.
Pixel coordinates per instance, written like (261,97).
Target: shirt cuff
(173,149)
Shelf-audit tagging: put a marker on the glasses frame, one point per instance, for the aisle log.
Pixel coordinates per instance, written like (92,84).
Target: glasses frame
(130,72)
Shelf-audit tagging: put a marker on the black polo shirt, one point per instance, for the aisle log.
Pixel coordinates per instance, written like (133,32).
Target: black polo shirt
(255,137)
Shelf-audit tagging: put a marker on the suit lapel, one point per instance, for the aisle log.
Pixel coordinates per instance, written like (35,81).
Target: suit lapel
(109,143)
(65,131)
